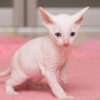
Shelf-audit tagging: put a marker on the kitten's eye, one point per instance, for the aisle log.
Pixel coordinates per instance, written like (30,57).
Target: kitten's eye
(58,34)
(72,34)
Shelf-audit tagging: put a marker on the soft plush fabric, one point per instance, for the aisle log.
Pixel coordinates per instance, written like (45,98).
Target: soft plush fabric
(83,72)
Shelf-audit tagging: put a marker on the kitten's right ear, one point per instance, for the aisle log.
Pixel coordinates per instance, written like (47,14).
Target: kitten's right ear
(78,17)
(47,17)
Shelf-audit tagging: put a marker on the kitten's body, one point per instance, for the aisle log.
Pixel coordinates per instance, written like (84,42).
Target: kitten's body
(40,52)
(42,57)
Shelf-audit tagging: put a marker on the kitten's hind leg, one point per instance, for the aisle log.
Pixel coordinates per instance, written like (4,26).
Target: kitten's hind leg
(17,77)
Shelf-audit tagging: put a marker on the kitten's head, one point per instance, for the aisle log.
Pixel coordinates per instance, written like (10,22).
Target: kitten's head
(63,28)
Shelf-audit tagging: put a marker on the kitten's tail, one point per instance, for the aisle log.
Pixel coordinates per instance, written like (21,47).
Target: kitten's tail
(4,73)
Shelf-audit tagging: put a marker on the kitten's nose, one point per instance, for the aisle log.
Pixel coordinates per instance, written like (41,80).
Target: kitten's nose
(66,44)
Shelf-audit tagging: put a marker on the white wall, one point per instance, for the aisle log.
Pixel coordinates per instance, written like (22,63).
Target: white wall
(6,16)
(91,21)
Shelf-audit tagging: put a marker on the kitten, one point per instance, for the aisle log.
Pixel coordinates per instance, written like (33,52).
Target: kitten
(43,56)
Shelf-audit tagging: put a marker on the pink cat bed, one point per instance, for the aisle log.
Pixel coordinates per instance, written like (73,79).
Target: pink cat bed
(83,72)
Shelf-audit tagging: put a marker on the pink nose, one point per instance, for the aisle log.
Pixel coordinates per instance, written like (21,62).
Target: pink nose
(66,44)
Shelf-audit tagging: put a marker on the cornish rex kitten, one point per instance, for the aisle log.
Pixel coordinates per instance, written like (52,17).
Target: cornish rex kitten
(45,55)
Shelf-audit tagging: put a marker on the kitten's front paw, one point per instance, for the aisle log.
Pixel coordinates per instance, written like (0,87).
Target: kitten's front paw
(70,97)
(67,97)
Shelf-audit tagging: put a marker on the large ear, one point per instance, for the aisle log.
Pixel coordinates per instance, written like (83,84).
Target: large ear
(78,17)
(47,17)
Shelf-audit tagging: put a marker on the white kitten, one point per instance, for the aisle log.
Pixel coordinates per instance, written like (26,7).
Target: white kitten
(45,55)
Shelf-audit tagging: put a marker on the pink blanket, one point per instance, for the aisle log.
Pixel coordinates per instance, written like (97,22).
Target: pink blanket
(83,71)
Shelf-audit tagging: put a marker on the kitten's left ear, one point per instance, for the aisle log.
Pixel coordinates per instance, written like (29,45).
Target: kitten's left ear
(78,17)
(46,17)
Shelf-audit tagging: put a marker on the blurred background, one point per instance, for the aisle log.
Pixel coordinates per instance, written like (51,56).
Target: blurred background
(22,17)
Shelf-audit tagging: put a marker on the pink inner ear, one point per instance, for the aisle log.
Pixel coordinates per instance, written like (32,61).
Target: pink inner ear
(47,20)
(79,21)
(46,16)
